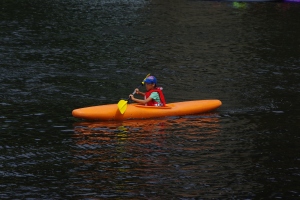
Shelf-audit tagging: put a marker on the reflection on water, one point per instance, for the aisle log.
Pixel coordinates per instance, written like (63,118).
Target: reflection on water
(145,157)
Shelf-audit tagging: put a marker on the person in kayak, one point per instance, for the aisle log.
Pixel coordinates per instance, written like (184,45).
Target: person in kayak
(153,96)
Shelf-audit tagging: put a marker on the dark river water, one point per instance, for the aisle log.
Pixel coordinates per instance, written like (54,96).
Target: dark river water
(59,55)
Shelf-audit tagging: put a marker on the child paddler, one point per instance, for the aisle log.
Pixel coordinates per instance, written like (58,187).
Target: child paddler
(153,96)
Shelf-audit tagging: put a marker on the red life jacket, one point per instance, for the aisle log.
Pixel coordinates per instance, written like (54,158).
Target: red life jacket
(161,96)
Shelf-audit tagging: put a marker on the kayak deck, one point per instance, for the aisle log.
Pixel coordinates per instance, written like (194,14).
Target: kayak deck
(136,111)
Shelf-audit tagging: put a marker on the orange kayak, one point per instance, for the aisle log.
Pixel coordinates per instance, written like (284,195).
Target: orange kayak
(136,111)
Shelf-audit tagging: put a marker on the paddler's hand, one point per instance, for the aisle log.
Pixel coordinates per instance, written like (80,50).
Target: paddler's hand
(137,91)
(131,96)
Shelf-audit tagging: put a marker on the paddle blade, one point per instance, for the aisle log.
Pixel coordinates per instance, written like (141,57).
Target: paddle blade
(122,105)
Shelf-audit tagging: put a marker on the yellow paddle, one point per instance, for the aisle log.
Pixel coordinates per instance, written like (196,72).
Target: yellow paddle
(122,104)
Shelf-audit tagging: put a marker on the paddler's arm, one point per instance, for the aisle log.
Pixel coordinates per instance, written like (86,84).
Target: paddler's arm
(141,101)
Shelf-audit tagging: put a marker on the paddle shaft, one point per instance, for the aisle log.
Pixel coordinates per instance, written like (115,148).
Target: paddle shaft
(134,91)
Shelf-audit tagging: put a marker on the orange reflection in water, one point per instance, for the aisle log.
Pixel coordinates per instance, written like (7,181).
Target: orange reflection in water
(137,134)
(131,155)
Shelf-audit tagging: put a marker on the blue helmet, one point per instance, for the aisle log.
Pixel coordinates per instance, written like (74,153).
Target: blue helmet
(151,80)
